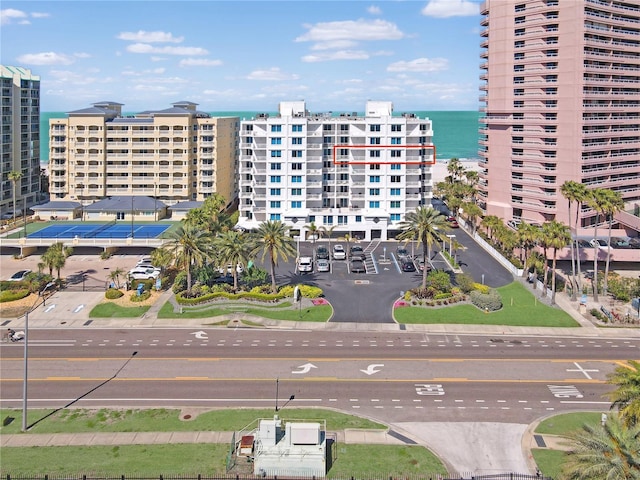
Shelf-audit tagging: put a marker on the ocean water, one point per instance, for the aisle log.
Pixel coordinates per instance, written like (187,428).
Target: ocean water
(455,133)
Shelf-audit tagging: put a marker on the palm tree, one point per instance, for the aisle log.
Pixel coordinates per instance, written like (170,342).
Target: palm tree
(536,261)
(55,257)
(116,275)
(597,199)
(426,225)
(15,177)
(455,169)
(574,192)
(626,397)
(491,223)
(611,451)
(162,258)
(235,248)
(190,246)
(272,240)
(559,236)
(528,236)
(614,205)
(313,229)
(473,212)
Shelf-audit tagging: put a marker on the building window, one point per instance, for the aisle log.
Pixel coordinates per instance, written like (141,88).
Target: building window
(374,128)
(396,128)
(374,204)
(296,128)
(394,217)
(274,204)
(276,128)
(519,32)
(518,56)
(296,166)
(296,179)
(327,219)
(296,192)
(276,166)
(274,216)
(395,178)
(296,204)
(518,79)
(344,140)
(396,141)
(518,44)
(396,166)
(518,103)
(296,141)
(395,192)
(274,178)
(374,178)
(275,192)
(358,218)
(276,153)
(342,219)
(374,192)
(374,166)
(519,20)
(296,153)
(518,68)
(394,204)
(374,141)
(276,141)
(374,153)
(396,154)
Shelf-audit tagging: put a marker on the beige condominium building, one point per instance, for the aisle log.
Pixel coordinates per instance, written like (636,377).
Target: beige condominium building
(347,173)
(561,95)
(20,139)
(174,155)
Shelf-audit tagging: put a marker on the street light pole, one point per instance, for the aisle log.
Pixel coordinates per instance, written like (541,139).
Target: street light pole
(26,356)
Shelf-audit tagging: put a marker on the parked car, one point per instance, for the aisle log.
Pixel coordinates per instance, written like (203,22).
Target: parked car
(408,266)
(634,242)
(141,273)
(322,265)
(19,275)
(322,253)
(453,223)
(357,266)
(600,243)
(305,265)
(356,253)
(339,253)
(619,242)
(421,264)
(401,251)
(584,243)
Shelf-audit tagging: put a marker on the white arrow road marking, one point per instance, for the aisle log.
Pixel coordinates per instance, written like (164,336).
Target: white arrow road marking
(373,368)
(306,368)
(78,308)
(50,307)
(200,334)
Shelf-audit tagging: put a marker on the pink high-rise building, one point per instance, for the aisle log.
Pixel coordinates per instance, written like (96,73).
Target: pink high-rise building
(561,97)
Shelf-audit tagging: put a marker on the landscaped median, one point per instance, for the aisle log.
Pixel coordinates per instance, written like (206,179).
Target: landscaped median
(519,308)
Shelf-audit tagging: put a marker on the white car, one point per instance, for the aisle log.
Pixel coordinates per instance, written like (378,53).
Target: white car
(322,265)
(339,252)
(142,273)
(19,275)
(600,243)
(305,265)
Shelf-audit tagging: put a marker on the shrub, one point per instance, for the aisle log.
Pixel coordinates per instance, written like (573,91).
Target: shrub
(481,288)
(424,293)
(112,294)
(180,282)
(140,298)
(307,291)
(490,301)
(407,295)
(442,296)
(440,280)
(105,255)
(12,295)
(599,316)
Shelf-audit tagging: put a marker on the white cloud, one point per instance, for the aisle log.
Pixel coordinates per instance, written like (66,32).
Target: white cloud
(450,8)
(46,58)
(40,15)
(419,65)
(11,15)
(154,71)
(373,10)
(358,30)
(273,73)
(200,62)
(146,48)
(150,37)
(334,45)
(339,55)
(81,55)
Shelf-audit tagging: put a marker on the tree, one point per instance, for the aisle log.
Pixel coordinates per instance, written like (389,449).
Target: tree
(574,192)
(599,201)
(211,215)
(491,223)
(528,236)
(234,248)
(161,258)
(614,204)
(15,177)
(55,257)
(473,212)
(604,452)
(313,229)
(272,239)
(190,246)
(455,169)
(559,236)
(426,225)
(323,230)
(536,261)
(115,276)
(626,397)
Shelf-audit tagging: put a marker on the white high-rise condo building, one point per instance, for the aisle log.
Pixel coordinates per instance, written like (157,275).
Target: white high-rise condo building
(20,139)
(561,95)
(177,154)
(346,173)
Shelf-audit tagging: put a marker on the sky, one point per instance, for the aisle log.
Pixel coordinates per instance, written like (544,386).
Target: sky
(242,55)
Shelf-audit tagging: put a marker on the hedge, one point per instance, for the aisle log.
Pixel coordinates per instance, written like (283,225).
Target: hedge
(263,297)
(486,301)
(12,295)
(112,294)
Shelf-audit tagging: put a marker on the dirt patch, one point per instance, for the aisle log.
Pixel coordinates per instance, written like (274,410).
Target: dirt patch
(17,308)
(125,300)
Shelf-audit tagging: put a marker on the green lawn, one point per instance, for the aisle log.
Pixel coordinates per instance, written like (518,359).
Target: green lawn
(184,459)
(548,461)
(111,310)
(520,308)
(317,313)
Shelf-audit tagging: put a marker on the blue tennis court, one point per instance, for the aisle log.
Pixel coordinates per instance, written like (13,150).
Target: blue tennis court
(107,230)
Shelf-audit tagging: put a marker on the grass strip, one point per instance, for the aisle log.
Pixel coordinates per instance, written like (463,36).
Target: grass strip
(567,423)
(549,461)
(520,309)
(111,310)
(317,313)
